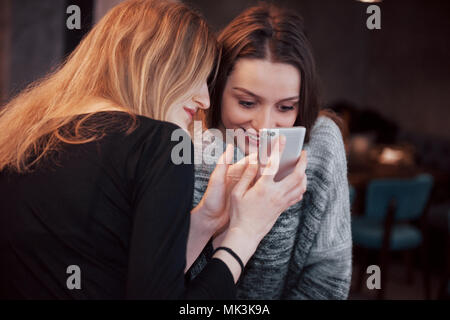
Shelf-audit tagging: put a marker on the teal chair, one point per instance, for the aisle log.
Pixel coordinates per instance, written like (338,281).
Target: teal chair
(391,206)
(352,193)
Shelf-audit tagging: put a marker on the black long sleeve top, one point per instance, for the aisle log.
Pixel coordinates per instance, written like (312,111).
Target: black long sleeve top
(108,219)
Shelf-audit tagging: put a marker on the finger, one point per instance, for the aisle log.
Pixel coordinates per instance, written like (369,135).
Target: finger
(247,177)
(274,160)
(235,171)
(296,176)
(294,201)
(222,164)
(296,194)
(229,154)
(241,164)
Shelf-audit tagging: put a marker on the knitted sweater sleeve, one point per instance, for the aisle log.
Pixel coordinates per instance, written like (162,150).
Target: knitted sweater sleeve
(325,234)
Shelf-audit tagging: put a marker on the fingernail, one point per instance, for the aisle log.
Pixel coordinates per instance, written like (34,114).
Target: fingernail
(282,139)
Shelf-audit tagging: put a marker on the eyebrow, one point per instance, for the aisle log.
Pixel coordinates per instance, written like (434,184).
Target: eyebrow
(259,98)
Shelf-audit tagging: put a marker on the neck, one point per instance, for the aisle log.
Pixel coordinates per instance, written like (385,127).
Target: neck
(96,104)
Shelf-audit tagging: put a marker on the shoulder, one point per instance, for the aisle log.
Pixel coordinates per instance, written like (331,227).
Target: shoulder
(326,200)
(118,124)
(162,141)
(325,135)
(144,130)
(326,159)
(146,144)
(160,130)
(326,145)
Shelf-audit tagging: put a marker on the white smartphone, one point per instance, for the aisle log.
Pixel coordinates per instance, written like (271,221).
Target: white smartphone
(295,137)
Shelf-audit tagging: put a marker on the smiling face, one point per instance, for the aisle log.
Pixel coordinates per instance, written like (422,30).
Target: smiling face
(182,113)
(259,94)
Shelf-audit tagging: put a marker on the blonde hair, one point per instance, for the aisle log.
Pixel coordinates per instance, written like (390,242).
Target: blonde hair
(143,57)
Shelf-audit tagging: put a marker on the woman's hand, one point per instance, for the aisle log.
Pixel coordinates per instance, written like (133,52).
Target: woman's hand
(214,206)
(211,215)
(256,208)
(213,201)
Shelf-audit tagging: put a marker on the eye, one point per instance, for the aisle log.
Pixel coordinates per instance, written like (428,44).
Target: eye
(246,104)
(286,108)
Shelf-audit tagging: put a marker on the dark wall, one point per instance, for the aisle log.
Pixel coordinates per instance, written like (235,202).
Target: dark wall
(401,71)
(40,39)
(37,40)
(73,37)
(5,44)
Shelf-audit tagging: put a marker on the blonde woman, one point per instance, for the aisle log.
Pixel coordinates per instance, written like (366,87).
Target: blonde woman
(92,205)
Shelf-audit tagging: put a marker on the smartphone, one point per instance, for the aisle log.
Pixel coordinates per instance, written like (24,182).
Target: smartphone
(295,137)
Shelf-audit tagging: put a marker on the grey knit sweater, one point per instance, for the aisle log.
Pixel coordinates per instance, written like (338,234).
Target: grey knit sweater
(308,252)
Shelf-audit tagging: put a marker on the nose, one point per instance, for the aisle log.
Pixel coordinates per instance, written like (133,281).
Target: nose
(263,119)
(202,97)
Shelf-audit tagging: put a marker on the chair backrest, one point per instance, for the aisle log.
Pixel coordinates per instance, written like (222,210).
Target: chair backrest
(410,196)
(352,193)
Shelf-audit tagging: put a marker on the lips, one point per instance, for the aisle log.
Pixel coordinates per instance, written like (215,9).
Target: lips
(190,112)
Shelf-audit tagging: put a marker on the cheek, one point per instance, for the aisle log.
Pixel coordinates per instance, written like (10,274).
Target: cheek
(176,114)
(286,120)
(292,119)
(232,114)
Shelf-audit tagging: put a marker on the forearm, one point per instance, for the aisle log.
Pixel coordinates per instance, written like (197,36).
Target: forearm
(200,231)
(199,234)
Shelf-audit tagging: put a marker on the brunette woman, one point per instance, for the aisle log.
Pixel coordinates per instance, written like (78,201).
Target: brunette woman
(267,79)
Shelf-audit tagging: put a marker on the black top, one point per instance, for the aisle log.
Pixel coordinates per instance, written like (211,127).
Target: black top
(117,208)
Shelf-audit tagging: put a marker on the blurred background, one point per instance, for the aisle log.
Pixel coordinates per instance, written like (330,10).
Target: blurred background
(390,86)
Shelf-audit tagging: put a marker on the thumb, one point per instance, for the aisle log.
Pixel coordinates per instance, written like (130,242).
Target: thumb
(247,177)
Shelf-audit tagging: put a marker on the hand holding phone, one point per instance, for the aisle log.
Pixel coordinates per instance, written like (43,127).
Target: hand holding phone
(294,143)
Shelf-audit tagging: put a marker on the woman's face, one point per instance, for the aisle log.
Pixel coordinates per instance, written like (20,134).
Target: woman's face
(259,94)
(182,113)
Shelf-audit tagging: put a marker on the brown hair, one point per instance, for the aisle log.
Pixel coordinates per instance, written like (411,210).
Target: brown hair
(142,57)
(268,32)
